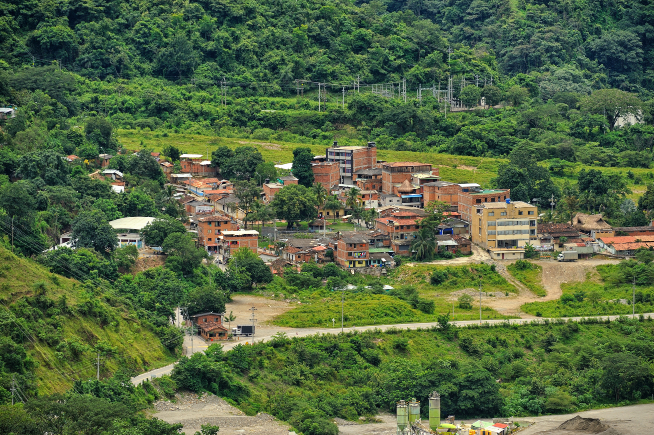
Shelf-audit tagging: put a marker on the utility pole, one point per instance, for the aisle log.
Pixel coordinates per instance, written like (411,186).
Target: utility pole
(633,301)
(552,204)
(12,234)
(318,97)
(98,373)
(404,86)
(358,84)
(343,97)
(252,319)
(480,299)
(342,307)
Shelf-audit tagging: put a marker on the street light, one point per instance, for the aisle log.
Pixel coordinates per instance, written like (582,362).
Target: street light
(480,299)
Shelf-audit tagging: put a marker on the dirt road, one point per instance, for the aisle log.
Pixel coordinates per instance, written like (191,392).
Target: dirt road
(554,274)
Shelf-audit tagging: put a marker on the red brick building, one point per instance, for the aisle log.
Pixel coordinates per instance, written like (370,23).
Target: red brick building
(441,191)
(167,169)
(210,326)
(326,173)
(231,241)
(210,228)
(368,179)
(394,174)
(353,252)
(400,226)
(196,165)
(468,200)
(271,189)
(351,159)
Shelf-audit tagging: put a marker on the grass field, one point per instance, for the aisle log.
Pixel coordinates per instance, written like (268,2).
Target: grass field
(597,295)
(530,275)
(451,167)
(136,346)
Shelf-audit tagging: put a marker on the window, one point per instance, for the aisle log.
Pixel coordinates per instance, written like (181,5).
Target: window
(349,254)
(520,212)
(491,223)
(478,201)
(491,213)
(492,199)
(530,212)
(532,232)
(503,213)
(209,239)
(204,320)
(491,232)
(217,319)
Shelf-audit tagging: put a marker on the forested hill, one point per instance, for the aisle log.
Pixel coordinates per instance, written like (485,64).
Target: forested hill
(582,43)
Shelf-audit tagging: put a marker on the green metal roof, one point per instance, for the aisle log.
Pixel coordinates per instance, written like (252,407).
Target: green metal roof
(486,192)
(380,250)
(481,424)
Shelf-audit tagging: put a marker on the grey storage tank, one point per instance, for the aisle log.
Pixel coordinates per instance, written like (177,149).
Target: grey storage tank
(434,411)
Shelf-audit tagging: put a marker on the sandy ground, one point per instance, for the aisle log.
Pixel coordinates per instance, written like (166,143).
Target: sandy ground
(193,411)
(627,420)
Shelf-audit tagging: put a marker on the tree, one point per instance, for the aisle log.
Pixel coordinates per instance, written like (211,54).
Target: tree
(159,229)
(137,203)
(183,255)
(220,156)
(47,165)
(302,158)
(321,194)
(295,203)
(434,215)
(620,51)
(525,177)
(624,374)
(265,171)
(470,96)
(613,104)
(516,95)
(243,165)
(178,56)
(91,230)
(108,207)
(424,245)
(204,300)
(262,212)
(98,131)
(126,257)
(646,201)
(492,94)
(465,301)
(256,269)
(333,204)
(247,192)
(171,152)
(352,199)
(142,164)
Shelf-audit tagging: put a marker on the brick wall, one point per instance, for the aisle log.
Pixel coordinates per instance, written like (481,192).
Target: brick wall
(448,194)
(241,242)
(326,173)
(392,173)
(345,251)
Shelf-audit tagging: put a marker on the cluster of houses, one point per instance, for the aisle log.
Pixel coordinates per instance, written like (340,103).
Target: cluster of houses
(398,191)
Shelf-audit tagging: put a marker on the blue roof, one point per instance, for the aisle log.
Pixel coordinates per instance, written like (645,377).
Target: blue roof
(414,195)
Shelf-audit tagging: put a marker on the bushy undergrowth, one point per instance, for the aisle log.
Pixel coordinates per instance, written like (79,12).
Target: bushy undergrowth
(529,274)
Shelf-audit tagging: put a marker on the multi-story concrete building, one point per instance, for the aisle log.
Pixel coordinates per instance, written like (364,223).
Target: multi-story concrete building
(401,227)
(326,173)
(504,228)
(210,228)
(352,159)
(475,196)
(353,252)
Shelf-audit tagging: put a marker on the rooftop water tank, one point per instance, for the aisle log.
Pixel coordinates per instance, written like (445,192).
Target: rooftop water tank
(508,200)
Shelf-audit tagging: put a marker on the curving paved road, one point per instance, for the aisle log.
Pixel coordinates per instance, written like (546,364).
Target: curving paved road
(197,344)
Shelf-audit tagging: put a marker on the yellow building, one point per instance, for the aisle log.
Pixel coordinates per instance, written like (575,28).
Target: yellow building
(504,228)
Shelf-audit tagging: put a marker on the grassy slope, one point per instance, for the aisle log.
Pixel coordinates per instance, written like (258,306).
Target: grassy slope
(531,278)
(599,282)
(452,168)
(138,348)
(515,354)
(361,309)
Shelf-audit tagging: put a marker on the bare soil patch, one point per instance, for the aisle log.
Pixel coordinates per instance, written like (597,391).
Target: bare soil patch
(193,411)
(266,310)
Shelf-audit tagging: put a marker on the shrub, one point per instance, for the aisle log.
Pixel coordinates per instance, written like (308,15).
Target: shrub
(438,277)
(465,301)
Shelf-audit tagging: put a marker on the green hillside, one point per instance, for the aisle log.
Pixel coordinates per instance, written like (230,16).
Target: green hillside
(53,327)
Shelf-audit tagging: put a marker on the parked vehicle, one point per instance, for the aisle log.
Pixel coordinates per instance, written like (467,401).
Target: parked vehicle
(568,256)
(243,331)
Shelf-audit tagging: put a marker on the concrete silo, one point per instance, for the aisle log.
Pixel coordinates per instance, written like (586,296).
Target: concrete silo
(434,411)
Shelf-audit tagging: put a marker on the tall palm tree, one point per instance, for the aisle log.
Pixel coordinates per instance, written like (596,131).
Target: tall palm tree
(321,194)
(352,200)
(424,245)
